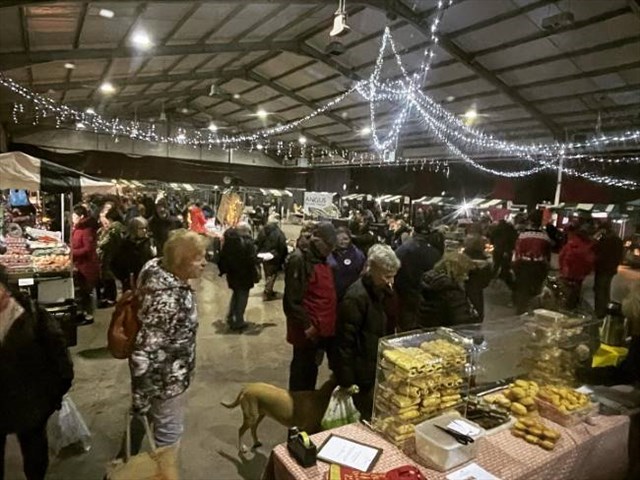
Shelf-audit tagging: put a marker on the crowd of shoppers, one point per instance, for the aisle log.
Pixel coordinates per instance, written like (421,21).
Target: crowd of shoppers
(343,292)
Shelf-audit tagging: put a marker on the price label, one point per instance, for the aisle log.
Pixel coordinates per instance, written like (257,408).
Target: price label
(26,282)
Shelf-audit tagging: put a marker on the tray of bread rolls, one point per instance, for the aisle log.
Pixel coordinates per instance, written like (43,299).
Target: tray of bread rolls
(420,375)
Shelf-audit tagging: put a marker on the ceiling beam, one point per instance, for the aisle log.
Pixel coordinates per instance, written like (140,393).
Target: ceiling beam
(172,32)
(10,61)
(16,3)
(294,96)
(26,44)
(468,60)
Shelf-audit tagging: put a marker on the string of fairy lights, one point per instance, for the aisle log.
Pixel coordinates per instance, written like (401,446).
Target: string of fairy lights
(405,93)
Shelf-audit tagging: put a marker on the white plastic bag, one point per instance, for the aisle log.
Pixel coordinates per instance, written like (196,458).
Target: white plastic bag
(341,410)
(66,427)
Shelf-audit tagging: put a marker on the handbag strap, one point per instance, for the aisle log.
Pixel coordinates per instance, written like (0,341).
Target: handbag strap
(148,433)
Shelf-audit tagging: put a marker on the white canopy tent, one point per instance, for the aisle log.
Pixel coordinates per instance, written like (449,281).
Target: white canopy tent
(21,171)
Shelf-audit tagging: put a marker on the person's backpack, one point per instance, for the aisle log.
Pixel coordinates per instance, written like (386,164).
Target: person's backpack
(124,325)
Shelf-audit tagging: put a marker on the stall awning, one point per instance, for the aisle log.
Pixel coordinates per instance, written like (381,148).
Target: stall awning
(475,202)
(276,193)
(491,203)
(585,206)
(390,198)
(22,171)
(354,196)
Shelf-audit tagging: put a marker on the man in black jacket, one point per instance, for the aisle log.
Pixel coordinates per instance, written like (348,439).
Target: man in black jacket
(417,257)
(503,237)
(609,251)
(162,223)
(271,240)
(239,262)
(362,321)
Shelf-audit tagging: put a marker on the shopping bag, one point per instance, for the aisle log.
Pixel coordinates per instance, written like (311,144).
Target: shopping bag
(341,410)
(158,464)
(66,427)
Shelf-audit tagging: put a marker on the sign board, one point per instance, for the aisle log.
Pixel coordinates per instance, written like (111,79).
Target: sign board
(314,201)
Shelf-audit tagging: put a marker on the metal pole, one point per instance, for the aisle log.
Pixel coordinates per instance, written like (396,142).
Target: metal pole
(559,182)
(62,216)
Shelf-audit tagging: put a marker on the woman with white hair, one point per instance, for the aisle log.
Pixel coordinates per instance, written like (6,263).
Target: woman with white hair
(362,321)
(163,359)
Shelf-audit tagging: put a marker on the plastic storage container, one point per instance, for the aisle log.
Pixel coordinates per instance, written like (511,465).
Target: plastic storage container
(440,450)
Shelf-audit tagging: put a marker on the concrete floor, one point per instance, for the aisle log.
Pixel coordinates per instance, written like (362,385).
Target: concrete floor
(225,361)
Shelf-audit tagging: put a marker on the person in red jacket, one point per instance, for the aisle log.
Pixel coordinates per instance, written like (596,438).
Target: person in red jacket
(531,259)
(197,220)
(310,305)
(85,257)
(577,260)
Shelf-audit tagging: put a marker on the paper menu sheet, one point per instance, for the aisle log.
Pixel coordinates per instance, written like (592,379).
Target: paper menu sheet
(343,451)
(473,471)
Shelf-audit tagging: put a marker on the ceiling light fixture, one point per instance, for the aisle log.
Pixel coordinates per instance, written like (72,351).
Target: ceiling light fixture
(470,115)
(260,146)
(184,110)
(141,40)
(365,131)
(106,13)
(69,66)
(340,26)
(302,140)
(262,113)
(80,126)
(107,88)
(212,127)
(450,98)
(90,111)
(236,96)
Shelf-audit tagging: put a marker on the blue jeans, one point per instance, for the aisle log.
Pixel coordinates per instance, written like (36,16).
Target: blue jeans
(237,306)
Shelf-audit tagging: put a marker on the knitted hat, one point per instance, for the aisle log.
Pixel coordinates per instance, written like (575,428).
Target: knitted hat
(326,232)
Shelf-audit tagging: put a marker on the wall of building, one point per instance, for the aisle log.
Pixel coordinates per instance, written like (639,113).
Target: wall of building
(70,141)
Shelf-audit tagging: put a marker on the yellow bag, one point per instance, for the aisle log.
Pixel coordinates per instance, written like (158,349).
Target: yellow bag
(158,464)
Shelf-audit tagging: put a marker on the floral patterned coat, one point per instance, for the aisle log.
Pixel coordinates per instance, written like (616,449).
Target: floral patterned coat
(109,241)
(164,355)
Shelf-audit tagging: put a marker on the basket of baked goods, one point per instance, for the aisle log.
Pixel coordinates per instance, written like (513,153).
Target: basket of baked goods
(519,398)
(564,406)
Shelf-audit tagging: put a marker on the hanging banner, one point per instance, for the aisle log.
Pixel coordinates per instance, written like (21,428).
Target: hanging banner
(319,204)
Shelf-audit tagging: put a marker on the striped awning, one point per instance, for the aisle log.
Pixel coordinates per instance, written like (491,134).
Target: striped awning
(491,203)
(475,202)
(354,196)
(276,193)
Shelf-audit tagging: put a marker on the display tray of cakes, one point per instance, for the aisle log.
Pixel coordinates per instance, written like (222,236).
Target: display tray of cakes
(423,388)
(420,375)
(557,345)
(35,251)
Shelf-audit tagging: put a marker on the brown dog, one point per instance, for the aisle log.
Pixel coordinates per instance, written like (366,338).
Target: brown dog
(301,409)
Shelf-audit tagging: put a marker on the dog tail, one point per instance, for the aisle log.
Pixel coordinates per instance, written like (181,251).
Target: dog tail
(235,403)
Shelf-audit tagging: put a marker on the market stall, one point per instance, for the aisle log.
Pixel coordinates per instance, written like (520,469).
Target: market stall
(438,408)
(396,204)
(581,455)
(36,258)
